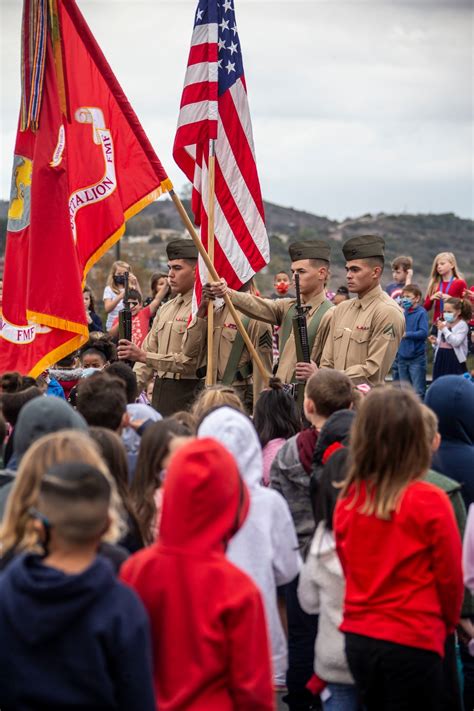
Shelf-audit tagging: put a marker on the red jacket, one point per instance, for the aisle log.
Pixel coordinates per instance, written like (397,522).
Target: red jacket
(403,576)
(471,299)
(209,637)
(456,289)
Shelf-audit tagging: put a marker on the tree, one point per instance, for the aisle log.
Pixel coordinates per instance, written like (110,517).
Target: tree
(140,226)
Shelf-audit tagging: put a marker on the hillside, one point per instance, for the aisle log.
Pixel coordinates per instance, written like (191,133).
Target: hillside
(421,236)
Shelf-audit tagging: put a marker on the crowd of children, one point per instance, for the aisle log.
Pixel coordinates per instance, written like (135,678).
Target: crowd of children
(451,335)
(340,582)
(209,561)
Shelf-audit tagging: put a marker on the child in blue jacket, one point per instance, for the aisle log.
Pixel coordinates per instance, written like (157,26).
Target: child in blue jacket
(411,352)
(72,636)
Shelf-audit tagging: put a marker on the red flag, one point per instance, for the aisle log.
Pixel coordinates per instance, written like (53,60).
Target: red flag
(82,166)
(214,105)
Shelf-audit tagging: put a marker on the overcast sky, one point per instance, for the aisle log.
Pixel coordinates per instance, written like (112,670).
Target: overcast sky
(357,106)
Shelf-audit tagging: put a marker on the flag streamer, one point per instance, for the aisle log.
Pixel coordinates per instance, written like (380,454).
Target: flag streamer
(33,48)
(83,165)
(58,57)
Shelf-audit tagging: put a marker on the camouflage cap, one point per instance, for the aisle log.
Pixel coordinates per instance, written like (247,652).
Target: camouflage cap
(316,249)
(363,247)
(181,249)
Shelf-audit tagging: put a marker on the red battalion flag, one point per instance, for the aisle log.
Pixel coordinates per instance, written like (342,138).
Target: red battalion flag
(214,105)
(82,166)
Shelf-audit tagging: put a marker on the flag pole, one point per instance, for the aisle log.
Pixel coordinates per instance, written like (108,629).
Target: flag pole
(210,250)
(210,267)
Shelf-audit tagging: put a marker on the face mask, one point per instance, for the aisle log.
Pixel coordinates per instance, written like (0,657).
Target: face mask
(449,318)
(119,279)
(86,372)
(282,287)
(406,302)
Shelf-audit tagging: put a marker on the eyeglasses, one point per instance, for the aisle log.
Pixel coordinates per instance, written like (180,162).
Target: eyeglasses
(133,303)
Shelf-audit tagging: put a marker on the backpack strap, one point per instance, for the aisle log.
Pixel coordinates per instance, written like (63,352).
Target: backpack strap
(230,373)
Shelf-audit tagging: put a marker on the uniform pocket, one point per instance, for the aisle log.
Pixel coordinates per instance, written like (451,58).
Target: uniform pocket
(229,334)
(360,337)
(178,327)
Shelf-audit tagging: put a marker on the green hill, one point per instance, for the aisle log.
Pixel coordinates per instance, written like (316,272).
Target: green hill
(421,236)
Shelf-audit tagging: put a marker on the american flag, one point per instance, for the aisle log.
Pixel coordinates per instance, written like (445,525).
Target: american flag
(214,105)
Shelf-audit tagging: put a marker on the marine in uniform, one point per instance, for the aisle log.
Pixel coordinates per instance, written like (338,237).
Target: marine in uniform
(311,261)
(176,383)
(365,332)
(233,363)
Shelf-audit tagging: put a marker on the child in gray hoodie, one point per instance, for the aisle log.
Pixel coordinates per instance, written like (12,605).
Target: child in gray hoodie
(321,585)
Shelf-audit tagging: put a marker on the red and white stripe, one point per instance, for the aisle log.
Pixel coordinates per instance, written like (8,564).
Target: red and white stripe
(241,240)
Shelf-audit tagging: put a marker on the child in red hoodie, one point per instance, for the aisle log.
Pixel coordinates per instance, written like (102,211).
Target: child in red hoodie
(210,645)
(400,550)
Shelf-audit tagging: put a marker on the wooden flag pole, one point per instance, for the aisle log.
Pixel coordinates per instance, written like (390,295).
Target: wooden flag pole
(210,380)
(210,267)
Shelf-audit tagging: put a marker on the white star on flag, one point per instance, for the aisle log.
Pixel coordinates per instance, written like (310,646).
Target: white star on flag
(200,13)
(220,112)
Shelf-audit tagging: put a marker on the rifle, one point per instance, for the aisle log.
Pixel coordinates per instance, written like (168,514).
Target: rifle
(300,327)
(125,317)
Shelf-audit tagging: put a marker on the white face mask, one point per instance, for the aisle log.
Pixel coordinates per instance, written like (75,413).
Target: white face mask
(86,372)
(449,318)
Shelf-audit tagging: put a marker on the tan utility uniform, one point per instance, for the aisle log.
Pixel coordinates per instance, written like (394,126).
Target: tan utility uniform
(274,312)
(246,378)
(176,383)
(364,337)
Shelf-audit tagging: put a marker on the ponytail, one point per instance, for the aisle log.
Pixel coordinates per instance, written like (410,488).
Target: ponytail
(461,305)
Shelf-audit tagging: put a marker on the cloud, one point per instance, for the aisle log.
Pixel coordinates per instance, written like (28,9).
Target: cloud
(357,106)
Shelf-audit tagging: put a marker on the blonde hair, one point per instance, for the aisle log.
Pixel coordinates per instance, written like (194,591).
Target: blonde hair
(215,396)
(430,421)
(16,531)
(433,284)
(388,449)
(113,270)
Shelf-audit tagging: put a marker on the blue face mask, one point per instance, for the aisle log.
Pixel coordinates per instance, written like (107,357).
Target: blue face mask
(449,318)
(406,302)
